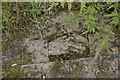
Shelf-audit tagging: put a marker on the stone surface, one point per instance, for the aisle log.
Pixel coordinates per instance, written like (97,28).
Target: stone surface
(37,47)
(106,66)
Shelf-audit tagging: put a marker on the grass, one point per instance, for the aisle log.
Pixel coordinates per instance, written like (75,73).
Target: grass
(21,19)
(15,24)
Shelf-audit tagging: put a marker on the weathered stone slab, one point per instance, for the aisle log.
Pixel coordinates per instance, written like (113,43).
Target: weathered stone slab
(57,47)
(105,67)
(38,47)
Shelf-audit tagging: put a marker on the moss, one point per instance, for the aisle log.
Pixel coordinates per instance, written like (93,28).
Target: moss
(68,69)
(55,69)
(10,71)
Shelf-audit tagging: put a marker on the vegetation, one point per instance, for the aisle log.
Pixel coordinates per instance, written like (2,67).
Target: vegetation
(99,20)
